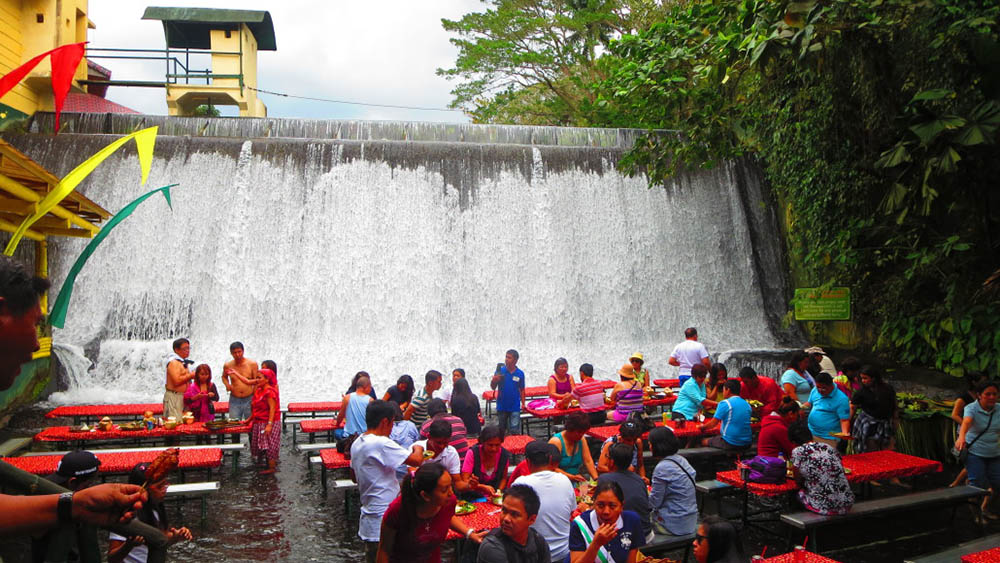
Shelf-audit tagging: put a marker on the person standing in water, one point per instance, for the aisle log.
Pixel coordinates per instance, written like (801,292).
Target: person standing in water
(178,379)
(239,375)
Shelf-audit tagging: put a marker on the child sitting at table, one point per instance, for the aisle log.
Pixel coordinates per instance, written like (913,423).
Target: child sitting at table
(819,472)
(629,433)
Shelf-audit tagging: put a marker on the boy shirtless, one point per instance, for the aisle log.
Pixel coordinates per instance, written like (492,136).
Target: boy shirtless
(239,375)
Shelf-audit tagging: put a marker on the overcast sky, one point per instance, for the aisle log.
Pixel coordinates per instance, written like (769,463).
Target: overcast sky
(374,51)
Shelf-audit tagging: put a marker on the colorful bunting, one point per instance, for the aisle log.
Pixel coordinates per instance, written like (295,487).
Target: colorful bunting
(144,142)
(58,316)
(64,61)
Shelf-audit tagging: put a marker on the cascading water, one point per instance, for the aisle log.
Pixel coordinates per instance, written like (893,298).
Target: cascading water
(333,256)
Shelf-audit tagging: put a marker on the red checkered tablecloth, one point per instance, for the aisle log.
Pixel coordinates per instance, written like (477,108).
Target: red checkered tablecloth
(988,556)
(515,443)
(120,462)
(332,459)
(871,466)
(667,383)
(99,411)
(530,392)
(322,406)
(486,517)
(790,558)
(63,434)
(318,425)
(550,413)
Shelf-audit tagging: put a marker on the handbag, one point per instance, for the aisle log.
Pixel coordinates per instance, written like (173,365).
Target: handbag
(963,454)
(765,469)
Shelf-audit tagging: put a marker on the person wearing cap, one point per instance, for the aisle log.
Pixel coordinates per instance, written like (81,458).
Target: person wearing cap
(642,374)
(688,354)
(73,542)
(825,364)
(555,493)
(100,505)
(626,396)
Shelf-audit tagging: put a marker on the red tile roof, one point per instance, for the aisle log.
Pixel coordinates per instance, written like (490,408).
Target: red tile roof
(88,103)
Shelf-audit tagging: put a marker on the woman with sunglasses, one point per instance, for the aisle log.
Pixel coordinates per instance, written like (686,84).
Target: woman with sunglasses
(606,532)
(718,542)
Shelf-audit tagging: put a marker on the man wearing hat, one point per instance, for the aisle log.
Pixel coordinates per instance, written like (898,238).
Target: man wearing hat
(826,365)
(642,375)
(73,541)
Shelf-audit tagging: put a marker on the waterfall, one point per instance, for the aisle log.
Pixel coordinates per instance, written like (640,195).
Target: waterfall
(332,255)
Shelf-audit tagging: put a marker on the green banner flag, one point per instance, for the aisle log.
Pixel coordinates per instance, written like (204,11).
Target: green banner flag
(58,316)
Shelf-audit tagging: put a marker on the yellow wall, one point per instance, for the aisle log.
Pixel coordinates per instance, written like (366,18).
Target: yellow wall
(182,99)
(22,37)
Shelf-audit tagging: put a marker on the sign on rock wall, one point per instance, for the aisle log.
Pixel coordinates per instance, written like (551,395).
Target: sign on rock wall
(814,304)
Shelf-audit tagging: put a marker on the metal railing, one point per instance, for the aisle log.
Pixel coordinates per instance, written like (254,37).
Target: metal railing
(176,70)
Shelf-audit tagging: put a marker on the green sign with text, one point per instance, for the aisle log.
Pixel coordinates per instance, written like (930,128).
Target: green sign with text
(813,304)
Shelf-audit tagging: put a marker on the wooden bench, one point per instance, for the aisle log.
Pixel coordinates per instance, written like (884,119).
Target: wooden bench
(956,553)
(314,447)
(711,489)
(662,543)
(810,522)
(14,445)
(193,490)
(308,410)
(315,426)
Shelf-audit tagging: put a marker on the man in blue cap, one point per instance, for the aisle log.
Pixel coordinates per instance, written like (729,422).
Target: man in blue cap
(74,541)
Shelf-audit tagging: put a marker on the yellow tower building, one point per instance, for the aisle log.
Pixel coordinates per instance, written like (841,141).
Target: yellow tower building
(29,28)
(232,38)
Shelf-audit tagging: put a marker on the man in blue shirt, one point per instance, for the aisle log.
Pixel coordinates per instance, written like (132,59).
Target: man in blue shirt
(509,383)
(830,411)
(691,397)
(733,413)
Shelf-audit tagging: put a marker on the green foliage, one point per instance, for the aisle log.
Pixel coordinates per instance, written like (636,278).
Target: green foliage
(531,61)
(205,110)
(876,123)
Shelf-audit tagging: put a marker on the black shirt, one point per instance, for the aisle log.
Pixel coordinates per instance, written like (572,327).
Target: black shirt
(878,402)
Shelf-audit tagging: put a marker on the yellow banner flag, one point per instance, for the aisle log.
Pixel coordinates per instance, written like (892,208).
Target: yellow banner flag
(145,140)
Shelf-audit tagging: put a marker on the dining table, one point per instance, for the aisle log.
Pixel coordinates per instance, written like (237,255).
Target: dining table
(72,434)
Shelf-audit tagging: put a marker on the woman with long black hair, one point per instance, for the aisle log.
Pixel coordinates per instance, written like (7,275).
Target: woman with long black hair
(465,405)
(718,542)
(401,393)
(417,522)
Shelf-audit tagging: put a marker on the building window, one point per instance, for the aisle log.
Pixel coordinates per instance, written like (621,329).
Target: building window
(39,18)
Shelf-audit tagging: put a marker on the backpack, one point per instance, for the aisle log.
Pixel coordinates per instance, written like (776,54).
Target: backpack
(642,420)
(344,445)
(769,470)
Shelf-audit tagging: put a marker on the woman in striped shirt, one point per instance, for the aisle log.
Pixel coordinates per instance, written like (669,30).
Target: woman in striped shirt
(626,396)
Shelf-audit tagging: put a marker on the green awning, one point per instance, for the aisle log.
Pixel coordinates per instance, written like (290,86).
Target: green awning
(188,28)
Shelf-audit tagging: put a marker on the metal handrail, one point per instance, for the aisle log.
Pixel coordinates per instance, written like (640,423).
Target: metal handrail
(171,77)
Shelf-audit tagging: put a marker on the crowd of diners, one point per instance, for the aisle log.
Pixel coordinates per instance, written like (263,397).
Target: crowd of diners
(420,454)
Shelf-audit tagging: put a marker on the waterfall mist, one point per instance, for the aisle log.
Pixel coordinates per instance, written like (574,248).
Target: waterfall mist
(332,256)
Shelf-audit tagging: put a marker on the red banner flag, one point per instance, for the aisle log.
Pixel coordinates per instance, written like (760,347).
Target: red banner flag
(64,59)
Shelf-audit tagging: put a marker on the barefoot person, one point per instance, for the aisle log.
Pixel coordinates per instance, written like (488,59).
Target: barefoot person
(239,375)
(178,379)
(265,436)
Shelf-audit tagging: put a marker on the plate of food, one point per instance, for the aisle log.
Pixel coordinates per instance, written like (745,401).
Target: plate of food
(497,499)
(132,426)
(83,428)
(847,471)
(463,508)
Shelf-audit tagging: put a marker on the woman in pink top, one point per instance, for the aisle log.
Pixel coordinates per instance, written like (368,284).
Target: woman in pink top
(484,471)
(561,382)
(201,394)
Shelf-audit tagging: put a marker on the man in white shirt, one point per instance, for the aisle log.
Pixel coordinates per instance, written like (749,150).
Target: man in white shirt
(438,436)
(689,353)
(374,458)
(558,499)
